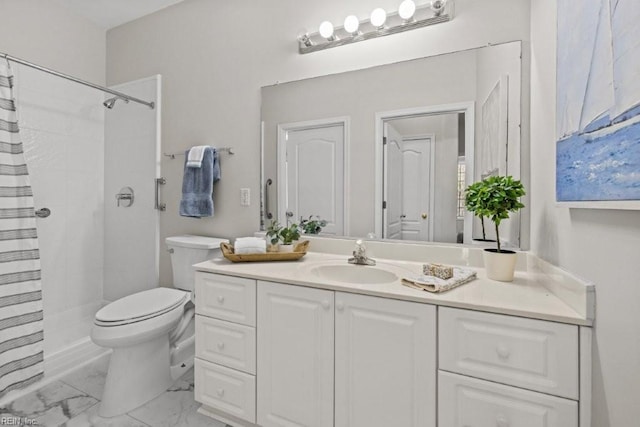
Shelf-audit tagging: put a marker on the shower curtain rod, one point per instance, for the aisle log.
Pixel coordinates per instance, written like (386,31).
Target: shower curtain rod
(74,79)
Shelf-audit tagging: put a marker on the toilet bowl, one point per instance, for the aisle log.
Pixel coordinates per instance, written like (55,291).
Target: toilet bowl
(151,332)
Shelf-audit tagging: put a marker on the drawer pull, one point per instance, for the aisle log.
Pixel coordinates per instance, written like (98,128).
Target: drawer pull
(503,352)
(326,305)
(501,421)
(220,346)
(220,299)
(220,392)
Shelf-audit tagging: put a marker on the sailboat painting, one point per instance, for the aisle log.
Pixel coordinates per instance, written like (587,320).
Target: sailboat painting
(598,103)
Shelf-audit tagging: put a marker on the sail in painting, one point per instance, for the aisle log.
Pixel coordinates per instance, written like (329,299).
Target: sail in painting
(598,104)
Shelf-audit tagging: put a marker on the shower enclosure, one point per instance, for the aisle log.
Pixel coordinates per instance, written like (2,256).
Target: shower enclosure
(78,153)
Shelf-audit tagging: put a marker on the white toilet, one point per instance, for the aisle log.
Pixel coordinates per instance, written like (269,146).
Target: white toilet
(151,332)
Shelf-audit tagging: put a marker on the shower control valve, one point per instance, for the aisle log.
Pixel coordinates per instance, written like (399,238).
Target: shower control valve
(125,196)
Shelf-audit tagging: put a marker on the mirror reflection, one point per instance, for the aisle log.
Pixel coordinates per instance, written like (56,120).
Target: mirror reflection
(387,151)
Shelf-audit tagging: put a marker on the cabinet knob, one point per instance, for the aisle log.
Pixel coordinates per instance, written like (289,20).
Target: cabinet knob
(220,392)
(220,346)
(326,305)
(503,351)
(220,299)
(340,306)
(501,421)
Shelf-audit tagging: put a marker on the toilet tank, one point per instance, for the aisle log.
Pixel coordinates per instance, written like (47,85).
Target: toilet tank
(188,250)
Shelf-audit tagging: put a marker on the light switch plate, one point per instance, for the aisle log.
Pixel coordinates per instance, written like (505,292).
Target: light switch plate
(245,197)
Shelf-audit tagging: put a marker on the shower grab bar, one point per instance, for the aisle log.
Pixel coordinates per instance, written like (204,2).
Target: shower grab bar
(8,57)
(160,206)
(268,214)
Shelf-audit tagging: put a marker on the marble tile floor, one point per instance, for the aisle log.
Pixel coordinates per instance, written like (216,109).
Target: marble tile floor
(73,401)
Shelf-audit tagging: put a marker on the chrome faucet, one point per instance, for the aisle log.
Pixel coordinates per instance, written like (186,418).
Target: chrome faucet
(360,255)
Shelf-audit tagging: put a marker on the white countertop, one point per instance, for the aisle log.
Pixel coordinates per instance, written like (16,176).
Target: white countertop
(529,295)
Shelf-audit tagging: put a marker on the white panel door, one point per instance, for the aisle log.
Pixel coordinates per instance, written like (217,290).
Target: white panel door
(416,189)
(315,176)
(385,362)
(295,356)
(392,213)
(469,402)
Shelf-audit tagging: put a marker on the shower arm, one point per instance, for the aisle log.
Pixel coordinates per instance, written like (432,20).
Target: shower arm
(77,80)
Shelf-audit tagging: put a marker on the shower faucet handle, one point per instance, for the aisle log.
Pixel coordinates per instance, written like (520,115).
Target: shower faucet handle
(125,195)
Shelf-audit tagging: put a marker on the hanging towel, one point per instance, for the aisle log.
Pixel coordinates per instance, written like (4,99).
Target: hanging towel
(197,185)
(21,315)
(195,155)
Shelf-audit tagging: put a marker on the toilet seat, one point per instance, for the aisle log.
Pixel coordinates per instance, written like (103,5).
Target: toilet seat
(141,306)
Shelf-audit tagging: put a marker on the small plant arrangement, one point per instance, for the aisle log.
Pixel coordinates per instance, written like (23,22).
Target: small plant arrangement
(273,233)
(311,225)
(289,234)
(495,198)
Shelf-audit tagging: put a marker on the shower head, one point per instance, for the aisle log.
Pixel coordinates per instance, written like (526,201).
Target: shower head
(109,103)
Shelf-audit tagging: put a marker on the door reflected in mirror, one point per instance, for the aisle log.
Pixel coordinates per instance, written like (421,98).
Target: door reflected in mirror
(323,145)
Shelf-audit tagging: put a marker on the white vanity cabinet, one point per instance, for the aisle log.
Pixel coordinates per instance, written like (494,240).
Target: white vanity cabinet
(498,370)
(384,352)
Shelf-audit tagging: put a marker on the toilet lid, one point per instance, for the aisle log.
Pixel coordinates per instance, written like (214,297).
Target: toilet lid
(142,305)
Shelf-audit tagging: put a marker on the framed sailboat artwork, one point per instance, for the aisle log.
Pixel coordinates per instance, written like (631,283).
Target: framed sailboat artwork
(598,104)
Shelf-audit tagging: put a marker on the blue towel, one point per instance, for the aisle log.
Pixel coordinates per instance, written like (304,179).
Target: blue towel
(197,185)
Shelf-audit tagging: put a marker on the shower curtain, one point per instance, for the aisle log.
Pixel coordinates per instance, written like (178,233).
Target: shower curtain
(21,325)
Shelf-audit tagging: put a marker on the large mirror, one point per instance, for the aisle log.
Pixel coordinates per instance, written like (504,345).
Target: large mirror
(387,151)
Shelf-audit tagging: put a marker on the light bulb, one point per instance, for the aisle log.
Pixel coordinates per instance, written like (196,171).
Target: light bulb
(326,30)
(351,24)
(378,17)
(407,9)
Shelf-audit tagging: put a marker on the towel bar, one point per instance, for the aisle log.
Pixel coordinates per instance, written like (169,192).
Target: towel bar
(225,149)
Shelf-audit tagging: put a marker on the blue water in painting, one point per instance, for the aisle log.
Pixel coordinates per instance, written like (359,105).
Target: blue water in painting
(606,168)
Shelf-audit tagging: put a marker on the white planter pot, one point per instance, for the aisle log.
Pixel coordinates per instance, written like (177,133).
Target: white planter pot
(286,248)
(499,265)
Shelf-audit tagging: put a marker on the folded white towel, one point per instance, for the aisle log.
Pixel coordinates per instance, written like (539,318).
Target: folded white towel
(196,154)
(436,284)
(250,245)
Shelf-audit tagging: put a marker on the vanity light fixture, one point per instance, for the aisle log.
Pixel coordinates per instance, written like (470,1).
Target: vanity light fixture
(351,25)
(408,17)
(378,18)
(326,31)
(406,10)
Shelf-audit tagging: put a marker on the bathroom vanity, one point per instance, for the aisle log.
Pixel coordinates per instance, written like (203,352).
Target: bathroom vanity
(320,342)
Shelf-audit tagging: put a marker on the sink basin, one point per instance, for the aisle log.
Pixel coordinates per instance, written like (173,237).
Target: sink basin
(359,274)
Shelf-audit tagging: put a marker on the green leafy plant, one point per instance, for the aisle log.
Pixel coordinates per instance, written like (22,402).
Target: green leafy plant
(495,198)
(311,225)
(471,196)
(289,234)
(273,232)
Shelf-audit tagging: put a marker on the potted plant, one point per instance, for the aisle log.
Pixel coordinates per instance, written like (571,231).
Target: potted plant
(471,198)
(273,236)
(497,197)
(311,225)
(287,236)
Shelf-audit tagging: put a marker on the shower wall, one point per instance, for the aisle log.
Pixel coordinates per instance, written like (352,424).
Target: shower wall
(62,128)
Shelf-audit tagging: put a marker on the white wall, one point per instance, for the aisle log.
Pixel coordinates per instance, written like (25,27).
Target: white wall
(62,132)
(214,57)
(602,246)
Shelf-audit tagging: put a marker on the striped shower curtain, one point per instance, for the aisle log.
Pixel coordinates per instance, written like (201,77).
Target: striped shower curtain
(21,326)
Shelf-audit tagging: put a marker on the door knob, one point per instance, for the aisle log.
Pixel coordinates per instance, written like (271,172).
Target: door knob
(43,213)
(424,215)
(403,216)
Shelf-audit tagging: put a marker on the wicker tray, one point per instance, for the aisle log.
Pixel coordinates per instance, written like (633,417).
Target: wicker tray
(299,251)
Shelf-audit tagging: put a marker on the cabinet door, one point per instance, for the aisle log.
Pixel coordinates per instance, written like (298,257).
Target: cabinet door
(469,402)
(385,362)
(295,356)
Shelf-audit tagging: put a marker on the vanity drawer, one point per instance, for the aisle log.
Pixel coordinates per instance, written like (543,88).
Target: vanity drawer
(226,298)
(464,401)
(225,389)
(533,354)
(228,344)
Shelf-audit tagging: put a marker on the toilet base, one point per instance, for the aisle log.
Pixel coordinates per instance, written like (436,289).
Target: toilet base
(137,374)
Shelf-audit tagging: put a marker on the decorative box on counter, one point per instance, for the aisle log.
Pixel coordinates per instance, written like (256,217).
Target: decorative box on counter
(440,271)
